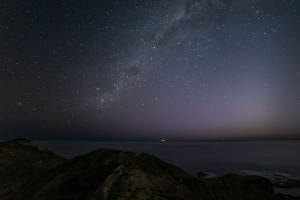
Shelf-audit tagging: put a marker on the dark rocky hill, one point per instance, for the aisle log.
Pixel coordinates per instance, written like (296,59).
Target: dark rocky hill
(232,186)
(111,174)
(22,159)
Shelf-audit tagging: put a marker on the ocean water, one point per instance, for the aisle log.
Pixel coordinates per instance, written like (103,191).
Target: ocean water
(217,158)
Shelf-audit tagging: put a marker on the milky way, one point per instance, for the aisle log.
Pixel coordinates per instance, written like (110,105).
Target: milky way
(146,70)
(156,46)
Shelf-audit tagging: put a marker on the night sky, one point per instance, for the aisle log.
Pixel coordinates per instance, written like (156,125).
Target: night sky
(150,69)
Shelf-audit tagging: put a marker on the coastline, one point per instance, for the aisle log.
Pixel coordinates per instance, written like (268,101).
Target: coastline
(286,186)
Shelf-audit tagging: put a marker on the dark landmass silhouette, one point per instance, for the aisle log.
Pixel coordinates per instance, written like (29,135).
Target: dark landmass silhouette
(29,171)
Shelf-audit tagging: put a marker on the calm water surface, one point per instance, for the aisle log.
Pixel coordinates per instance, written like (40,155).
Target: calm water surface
(215,157)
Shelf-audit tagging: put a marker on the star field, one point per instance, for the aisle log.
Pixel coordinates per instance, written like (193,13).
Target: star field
(146,70)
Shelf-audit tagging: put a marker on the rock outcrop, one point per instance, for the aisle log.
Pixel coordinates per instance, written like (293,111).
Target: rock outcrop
(232,186)
(21,160)
(111,174)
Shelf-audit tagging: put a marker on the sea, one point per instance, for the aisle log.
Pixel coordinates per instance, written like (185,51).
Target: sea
(214,158)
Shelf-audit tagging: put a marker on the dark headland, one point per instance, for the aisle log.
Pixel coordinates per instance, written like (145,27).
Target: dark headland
(30,171)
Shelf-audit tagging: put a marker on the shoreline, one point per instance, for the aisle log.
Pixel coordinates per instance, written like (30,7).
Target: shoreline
(138,165)
(285,184)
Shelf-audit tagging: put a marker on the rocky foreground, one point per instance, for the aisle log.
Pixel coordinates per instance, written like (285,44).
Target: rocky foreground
(29,171)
